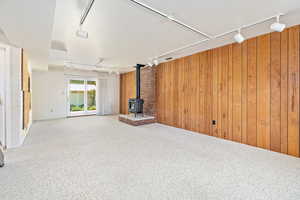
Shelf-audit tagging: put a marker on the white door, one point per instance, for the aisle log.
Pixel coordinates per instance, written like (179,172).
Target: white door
(2,96)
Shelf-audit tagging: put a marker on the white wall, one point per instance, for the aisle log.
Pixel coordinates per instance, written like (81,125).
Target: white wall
(13,99)
(50,94)
(15,133)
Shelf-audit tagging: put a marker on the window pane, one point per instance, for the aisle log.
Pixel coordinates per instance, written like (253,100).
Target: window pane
(77,89)
(91,95)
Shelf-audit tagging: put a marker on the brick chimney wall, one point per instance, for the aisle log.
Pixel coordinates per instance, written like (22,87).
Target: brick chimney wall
(148,90)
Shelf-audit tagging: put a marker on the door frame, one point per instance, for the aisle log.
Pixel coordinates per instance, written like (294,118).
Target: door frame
(85,112)
(4,77)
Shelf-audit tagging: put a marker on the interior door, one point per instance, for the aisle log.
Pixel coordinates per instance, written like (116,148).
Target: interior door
(2,97)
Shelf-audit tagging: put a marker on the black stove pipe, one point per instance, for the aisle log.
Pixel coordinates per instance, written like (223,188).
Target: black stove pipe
(138,80)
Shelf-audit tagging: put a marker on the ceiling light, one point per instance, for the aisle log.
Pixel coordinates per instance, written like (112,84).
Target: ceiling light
(82,34)
(155,61)
(239,37)
(278,27)
(150,64)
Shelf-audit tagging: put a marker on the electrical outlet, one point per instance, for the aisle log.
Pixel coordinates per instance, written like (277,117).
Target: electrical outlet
(214,122)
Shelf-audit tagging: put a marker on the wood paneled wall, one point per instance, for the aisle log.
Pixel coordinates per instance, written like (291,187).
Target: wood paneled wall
(250,89)
(127,90)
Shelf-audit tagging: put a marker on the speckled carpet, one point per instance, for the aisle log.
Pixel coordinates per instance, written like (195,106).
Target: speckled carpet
(100,158)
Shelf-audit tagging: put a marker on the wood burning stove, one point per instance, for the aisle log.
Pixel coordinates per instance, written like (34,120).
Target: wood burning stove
(136,105)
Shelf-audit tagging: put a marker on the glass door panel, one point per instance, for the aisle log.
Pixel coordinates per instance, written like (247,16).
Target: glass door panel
(82,96)
(91,95)
(76,95)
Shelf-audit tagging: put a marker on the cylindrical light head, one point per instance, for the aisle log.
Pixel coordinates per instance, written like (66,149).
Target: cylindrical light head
(150,64)
(277,26)
(239,37)
(82,34)
(155,62)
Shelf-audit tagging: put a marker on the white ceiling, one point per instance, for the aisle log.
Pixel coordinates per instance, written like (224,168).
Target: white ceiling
(125,34)
(28,24)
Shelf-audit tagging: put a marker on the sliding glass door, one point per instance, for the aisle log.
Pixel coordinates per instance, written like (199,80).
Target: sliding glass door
(82,97)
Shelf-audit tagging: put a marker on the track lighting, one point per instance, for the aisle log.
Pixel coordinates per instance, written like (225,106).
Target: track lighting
(150,64)
(239,37)
(171,17)
(155,61)
(82,34)
(278,27)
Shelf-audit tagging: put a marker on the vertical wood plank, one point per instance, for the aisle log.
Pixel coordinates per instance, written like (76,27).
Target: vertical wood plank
(275,92)
(215,54)
(251,93)
(220,92)
(263,91)
(181,92)
(162,85)
(176,95)
(209,94)
(167,93)
(244,90)
(203,66)
(224,91)
(187,79)
(237,93)
(205,94)
(293,92)
(158,93)
(284,91)
(229,135)
(194,87)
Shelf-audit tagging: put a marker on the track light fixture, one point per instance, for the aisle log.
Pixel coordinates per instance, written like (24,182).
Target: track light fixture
(155,62)
(150,64)
(171,17)
(239,37)
(277,26)
(82,34)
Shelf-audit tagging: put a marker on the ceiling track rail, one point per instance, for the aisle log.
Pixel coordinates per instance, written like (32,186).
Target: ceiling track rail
(217,36)
(86,12)
(171,18)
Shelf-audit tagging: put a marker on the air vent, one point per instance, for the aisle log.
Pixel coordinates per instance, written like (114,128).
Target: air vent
(170,58)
